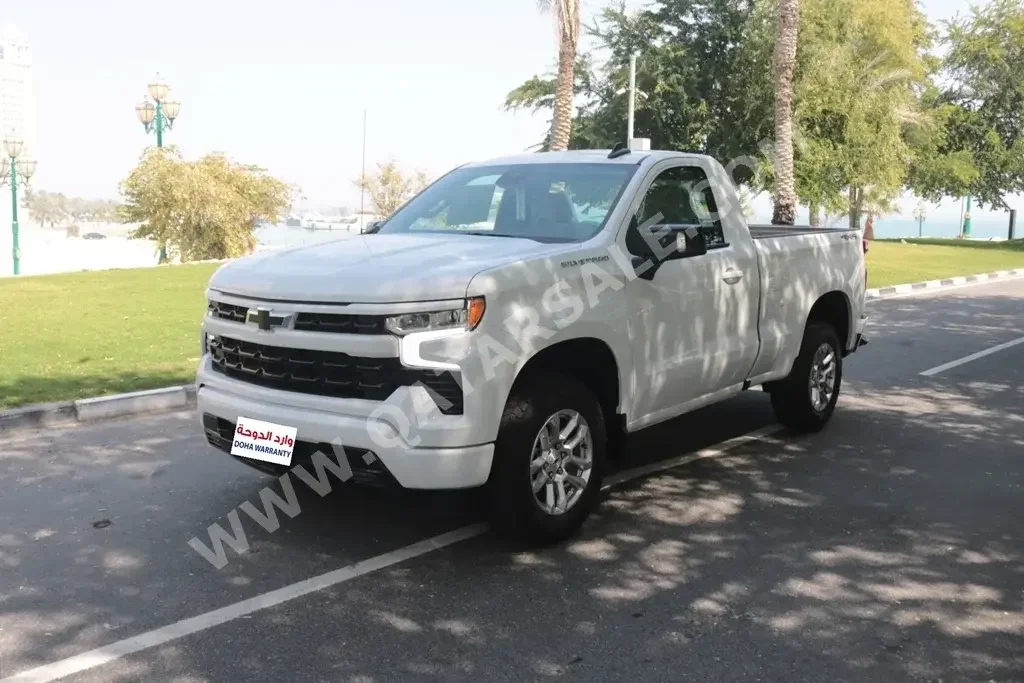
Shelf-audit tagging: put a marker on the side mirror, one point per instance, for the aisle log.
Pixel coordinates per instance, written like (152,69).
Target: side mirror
(651,246)
(690,241)
(371,228)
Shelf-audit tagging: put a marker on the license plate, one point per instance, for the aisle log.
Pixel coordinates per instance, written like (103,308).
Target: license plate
(264,441)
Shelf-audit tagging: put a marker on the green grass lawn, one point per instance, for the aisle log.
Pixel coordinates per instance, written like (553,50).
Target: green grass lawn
(75,335)
(894,263)
(71,336)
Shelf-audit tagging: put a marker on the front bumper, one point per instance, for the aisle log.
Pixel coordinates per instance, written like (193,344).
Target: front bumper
(349,425)
(420,446)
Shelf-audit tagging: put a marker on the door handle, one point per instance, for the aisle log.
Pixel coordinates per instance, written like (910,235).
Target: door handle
(731,276)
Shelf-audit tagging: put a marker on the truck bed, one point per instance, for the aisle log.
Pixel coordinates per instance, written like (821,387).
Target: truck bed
(760,232)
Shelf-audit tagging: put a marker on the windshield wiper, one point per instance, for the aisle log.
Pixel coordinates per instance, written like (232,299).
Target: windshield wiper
(488,233)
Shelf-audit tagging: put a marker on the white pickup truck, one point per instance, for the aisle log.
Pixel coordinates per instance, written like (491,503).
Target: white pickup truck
(510,324)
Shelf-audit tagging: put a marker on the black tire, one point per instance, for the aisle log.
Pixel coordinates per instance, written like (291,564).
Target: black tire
(791,398)
(514,512)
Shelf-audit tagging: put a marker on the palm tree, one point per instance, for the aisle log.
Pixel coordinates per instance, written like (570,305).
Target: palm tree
(566,14)
(783,64)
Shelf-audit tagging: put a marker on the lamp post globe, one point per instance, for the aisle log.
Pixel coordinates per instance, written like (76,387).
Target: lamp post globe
(146,112)
(26,168)
(13,147)
(158,89)
(171,108)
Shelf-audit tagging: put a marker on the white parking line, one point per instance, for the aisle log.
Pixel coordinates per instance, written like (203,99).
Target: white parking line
(711,452)
(185,627)
(974,356)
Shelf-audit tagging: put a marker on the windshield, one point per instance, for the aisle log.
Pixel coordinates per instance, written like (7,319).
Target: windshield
(543,202)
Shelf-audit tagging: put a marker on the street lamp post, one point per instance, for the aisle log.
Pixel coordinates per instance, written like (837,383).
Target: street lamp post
(967,219)
(157,116)
(9,174)
(920,214)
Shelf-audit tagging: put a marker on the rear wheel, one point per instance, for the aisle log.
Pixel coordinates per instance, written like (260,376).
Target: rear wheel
(806,399)
(548,460)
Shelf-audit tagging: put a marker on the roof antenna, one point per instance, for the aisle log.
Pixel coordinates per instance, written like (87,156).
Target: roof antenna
(620,149)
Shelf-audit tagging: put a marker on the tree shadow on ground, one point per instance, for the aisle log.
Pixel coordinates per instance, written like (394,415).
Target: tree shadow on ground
(885,548)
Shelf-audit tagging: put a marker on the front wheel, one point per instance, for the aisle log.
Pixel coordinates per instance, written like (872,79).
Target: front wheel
(548,460)
(806,399)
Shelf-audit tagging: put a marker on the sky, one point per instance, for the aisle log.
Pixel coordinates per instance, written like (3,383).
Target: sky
(285,85)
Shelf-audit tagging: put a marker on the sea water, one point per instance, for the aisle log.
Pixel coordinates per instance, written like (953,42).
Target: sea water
(895,227)
(275,236)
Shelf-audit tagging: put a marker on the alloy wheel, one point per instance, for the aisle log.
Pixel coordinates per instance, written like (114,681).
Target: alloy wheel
(561,462)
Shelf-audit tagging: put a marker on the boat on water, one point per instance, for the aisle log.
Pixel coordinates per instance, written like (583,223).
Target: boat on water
(319,221)
(351,223)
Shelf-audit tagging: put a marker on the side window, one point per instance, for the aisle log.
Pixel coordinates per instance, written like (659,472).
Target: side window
(683,196)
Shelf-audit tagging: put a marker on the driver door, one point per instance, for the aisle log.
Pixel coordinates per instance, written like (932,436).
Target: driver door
(674,333)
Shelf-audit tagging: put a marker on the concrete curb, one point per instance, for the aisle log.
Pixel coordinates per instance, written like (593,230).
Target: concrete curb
(99,408)
(884,292)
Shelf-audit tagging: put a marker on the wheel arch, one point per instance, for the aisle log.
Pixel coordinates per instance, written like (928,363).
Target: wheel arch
(833,308)
(592,362)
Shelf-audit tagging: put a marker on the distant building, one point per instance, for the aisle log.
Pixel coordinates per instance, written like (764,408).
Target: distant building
(17,97)
(17,114)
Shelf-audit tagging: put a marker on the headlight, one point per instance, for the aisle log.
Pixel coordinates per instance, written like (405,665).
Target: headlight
(465,318)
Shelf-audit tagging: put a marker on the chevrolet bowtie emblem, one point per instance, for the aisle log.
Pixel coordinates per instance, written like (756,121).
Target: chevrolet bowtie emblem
(265,318)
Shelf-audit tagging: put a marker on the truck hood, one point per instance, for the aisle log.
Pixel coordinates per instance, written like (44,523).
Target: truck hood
(374,268)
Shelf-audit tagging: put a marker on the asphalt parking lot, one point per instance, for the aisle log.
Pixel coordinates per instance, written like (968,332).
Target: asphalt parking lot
(887,548)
